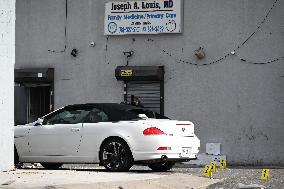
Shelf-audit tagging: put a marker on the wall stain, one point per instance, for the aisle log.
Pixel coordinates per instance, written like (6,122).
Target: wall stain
(65,32)
(106,49)
(252,135)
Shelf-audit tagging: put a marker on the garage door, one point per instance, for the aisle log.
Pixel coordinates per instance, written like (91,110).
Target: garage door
(149,93)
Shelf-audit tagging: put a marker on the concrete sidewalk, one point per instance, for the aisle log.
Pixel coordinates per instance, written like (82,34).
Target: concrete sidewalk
(96,179)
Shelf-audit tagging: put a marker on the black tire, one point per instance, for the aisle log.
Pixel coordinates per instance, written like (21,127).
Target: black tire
(115,155)
(161,166)
(51,165)
(17,162)
(16,157)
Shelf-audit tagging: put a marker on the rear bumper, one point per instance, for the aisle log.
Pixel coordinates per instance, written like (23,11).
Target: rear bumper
(163,157)
(148,149)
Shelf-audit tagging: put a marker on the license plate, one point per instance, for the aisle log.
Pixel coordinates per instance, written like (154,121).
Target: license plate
(186,152)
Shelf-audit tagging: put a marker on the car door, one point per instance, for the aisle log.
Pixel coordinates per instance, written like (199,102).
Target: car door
(58,138)
(96,126)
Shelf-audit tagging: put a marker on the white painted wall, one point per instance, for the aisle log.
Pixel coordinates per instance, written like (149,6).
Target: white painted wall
(7,61)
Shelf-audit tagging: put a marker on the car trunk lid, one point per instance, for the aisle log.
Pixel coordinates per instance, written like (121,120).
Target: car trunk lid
(173,127)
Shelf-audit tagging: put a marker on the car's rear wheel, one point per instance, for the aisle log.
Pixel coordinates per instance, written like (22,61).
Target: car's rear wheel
(51,165)
(161,166)
(115,155)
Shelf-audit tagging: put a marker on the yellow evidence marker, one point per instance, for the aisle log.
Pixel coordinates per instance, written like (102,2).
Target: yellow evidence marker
(214,166)
(207,171)
(265,174)
(223,164)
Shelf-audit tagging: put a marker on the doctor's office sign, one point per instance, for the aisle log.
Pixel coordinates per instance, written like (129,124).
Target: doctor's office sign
(143,17)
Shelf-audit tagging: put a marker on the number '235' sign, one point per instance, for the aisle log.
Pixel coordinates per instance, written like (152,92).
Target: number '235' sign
(126,73)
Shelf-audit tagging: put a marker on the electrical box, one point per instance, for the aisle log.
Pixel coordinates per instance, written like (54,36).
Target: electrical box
(213,148)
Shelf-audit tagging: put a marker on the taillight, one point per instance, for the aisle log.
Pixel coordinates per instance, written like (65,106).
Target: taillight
(153,131)
(164,148)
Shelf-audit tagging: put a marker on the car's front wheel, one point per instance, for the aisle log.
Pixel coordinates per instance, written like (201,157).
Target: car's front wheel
(161,166)
(17,163)
(51,165)
(115,155)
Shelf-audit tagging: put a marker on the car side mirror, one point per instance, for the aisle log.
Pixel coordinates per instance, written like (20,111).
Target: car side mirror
(38,122)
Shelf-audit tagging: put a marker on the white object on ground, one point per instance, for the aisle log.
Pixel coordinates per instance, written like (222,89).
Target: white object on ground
(213,148)
(251,186)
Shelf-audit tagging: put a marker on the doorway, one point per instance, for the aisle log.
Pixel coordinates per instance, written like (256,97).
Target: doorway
(33,97)
(144,82)
(31,103)
(148,92)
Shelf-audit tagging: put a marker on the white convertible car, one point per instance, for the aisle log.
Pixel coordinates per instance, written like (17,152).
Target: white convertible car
(113,135)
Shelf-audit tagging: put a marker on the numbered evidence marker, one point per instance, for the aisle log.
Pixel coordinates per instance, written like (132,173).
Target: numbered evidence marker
(223,164)
(207,171)
(265,174)
(213,166)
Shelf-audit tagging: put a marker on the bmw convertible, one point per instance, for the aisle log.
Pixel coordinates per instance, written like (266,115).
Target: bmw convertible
(116,136)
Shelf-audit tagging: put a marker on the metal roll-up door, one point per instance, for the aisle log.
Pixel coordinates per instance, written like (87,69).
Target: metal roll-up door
(149,93)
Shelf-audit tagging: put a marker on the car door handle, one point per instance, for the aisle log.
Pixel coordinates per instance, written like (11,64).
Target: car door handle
(75,129)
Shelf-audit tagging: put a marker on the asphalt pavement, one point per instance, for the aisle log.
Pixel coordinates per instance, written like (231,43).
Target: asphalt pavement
(95,177)
(181,176)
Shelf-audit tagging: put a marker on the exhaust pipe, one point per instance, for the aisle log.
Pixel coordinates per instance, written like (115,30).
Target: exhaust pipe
(164,158)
